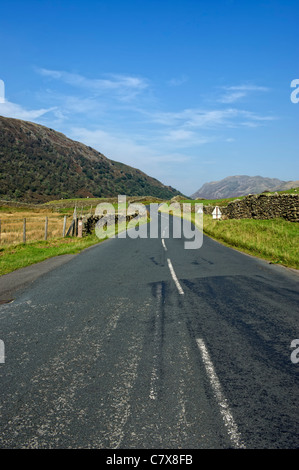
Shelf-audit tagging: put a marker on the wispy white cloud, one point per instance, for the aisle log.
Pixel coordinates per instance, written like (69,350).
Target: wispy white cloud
(175,135)
(248,88)
(191,117)
(124,87)
(13,110)
(232,97)
(183,138)
(235,93)
(250,119)
(70,105)
(102,92)
(207,119)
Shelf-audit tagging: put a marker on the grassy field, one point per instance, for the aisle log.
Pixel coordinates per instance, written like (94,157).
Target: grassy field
(12,222)
(12,225)
(12,218)
(275,240)
(209,202)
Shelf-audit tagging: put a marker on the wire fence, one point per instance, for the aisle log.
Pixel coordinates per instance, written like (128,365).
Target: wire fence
(15,230)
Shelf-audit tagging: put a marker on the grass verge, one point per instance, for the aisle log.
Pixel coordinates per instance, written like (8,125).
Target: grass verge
(274,240)
(14,257)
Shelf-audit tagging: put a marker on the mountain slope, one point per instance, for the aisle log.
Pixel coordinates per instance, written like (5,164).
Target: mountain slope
(38,164)
(240,185)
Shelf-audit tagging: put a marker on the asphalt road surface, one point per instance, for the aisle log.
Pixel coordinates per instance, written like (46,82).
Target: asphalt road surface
(142,344)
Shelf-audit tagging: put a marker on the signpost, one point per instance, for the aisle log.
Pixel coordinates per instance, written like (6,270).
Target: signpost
(216,213)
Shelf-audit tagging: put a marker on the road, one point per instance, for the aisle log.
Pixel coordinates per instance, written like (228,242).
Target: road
(142,344)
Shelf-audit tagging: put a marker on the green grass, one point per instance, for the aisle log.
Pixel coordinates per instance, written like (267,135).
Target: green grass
(216,202)
(14,257)
(275,240)
(286,191)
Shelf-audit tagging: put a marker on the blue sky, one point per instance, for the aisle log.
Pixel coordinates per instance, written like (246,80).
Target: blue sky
(188,91)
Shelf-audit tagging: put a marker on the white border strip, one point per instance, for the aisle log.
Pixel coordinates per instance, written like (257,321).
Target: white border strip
(222,401)
(163,243)
(178,285)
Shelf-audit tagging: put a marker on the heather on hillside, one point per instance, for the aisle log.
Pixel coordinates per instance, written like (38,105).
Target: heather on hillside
(38,164)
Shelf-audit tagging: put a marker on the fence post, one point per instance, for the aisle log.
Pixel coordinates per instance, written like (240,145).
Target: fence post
(24,230)
(64,226)
(46,228)
(75,222)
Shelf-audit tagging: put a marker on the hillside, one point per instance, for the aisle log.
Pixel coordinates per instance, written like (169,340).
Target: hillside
(38,164)
(234,186)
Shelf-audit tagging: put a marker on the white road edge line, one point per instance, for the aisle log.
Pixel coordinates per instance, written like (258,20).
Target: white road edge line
(163,243)
(222,401)
(178,285)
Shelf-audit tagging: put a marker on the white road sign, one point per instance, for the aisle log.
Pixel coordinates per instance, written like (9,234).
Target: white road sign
(216,213)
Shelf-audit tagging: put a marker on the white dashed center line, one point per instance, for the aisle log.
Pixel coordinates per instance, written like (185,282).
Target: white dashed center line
(178,285)
(222,401)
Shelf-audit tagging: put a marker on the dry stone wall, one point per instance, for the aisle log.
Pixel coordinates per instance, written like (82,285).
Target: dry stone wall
(89,222)
(264,206)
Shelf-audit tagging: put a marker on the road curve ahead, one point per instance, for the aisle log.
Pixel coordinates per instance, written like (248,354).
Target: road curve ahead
(142,344)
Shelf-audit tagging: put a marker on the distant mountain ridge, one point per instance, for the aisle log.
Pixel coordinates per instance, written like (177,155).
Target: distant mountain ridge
(241,185)
(38,164)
